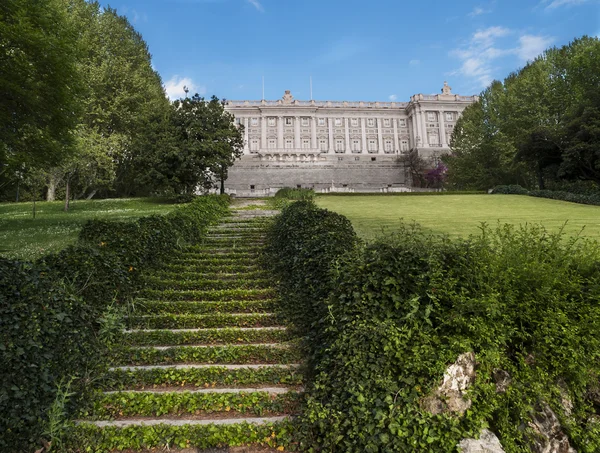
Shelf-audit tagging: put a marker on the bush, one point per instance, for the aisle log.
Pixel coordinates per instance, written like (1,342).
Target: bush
(302,246)
(510,190)
(295,194)
(53,313)
(400,310)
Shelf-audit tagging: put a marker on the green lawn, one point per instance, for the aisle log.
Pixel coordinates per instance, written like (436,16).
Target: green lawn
(461,215)
(23,238)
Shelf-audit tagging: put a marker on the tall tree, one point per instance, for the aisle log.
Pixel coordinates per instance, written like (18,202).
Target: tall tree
(39,84)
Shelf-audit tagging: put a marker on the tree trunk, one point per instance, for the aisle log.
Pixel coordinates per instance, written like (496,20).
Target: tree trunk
(91,195)
(540,177)
(51,194)
(67,193)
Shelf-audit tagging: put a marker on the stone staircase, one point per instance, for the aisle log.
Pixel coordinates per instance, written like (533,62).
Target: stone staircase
(205,363)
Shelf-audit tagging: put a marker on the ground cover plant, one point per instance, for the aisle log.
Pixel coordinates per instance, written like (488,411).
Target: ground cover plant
(394,314)
(25,238)
(461,215)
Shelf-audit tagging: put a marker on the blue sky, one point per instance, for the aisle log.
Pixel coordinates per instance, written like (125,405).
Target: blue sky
(354,50)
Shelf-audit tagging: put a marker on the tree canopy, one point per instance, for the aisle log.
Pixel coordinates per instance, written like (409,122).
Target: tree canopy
(540,124)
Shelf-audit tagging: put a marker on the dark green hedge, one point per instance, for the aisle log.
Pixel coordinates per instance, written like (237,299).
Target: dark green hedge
(302,247)
(589,197)
(51,312)
(400,310)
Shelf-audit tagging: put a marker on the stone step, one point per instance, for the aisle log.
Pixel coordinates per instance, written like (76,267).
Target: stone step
(184,422)
(270,390)
(228,366)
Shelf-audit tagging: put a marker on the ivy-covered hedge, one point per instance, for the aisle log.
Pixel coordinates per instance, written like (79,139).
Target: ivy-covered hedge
(56,315)
(399,311)
(589,197)
(302,247)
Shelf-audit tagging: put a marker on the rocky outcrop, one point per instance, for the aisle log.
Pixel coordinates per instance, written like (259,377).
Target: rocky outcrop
(548,436)
(487,443)
(502,380)
(450,395)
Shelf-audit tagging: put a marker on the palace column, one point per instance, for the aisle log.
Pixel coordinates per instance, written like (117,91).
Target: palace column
(415,132)
(348,149)
(297,143)
(442,130)
(396,146)
(263,133)
(246,142)
(330,124)
(424,139)
(364,135)
(280,143)
(313,132)
(379,136)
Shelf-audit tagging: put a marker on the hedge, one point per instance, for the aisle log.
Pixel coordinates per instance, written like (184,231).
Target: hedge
(588,197)
(391,316)
(57,316)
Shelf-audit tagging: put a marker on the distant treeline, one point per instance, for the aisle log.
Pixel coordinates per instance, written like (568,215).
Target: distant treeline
(540,128)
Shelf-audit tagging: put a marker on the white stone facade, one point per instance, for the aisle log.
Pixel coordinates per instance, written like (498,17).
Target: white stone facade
(332,144)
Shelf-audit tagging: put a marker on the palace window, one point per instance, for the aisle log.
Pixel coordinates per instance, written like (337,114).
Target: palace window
(272,143)
(305,143)
(356,145)
(321,121)
(372,145)
(338,121)
(449,116)
(251,186)
(402,122)
(238,121)
(305,121)
(289,143)
(339,145)
(404,145)
(271,121)
(434,139)
(254,145)
(388,146)
(323,144)
(371,122)
(288,121)
(354,122)
(373,159)
(254,121)
(430,116)
(386,122)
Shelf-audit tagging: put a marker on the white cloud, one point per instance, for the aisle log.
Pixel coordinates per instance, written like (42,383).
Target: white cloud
(478,11)
(343,49)
(257,5)
(393,97)
(531,46)
(414,62)
(175,87)
(484,48)
(551,4)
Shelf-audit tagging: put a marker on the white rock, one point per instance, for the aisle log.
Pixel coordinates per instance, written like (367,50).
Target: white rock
(487,443)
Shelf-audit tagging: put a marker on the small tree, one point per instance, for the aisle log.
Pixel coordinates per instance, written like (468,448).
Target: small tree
(208,143)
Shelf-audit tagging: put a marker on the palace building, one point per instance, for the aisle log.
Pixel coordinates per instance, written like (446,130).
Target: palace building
(339,145)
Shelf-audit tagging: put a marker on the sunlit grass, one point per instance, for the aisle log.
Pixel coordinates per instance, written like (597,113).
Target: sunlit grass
(462,215)
(23,238)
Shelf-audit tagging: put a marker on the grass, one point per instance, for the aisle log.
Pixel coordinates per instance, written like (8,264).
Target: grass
(462,215)
(23,238)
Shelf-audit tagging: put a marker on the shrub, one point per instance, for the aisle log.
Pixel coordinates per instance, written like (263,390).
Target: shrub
(54,313)
(510,190)
(398,311)
(289,193)
(302,247)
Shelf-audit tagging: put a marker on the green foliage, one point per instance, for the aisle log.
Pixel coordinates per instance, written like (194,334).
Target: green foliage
(398,311)
(303,244)
(58,316)
(208,377)
(210,354)
(588,196)
(207,336)
(91,439)
(540,124)
(156,404)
